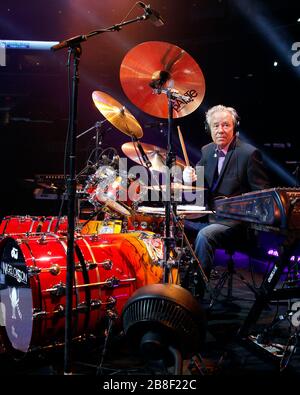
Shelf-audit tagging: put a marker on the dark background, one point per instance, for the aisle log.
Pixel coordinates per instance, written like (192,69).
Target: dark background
(235,43)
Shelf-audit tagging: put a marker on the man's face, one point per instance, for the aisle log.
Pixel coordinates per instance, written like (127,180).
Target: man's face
(222,128)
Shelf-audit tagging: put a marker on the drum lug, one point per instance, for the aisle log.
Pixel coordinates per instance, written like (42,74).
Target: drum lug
(111,302)
(43,239)
(57,290)
(91,265)
(95,304)
(81,308)
(39,313)
(33,271)
(107,265)
(94,238)
(112,282)
(60,310)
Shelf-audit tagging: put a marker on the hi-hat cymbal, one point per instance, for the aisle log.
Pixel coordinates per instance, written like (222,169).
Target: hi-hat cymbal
(161,64)
(156,155)
(41,184)
(117,114)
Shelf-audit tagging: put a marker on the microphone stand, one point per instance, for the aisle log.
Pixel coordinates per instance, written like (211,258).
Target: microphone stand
(74,48)
(96,126)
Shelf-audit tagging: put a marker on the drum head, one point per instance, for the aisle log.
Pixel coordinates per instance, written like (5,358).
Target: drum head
(15,297)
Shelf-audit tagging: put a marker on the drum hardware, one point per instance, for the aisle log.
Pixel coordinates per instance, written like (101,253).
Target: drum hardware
(94,237)
(33,271)
(198,274)
(111,302)
(112,316)
(42,239)
(81,307)
(95,304)
(39,314)
(59,289)
(59,310)
(55,269)
(107,265)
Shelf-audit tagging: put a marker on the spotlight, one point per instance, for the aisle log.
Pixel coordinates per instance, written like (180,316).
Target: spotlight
(164,321)
(275,64)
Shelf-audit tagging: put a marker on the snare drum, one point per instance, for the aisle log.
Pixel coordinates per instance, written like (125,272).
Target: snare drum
(108,269)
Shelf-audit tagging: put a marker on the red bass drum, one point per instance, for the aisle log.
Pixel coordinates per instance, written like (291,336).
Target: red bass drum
(108,269)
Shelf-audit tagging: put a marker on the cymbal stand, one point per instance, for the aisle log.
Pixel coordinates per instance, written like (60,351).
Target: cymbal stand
(203,277)
(169,241)
(98,141)
(74,48)
(170,205)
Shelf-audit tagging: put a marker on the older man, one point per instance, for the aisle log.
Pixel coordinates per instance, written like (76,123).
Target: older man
(231,167)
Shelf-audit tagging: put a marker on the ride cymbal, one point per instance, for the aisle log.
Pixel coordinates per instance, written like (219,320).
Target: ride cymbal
(156,155)
(117,114)
(155,64)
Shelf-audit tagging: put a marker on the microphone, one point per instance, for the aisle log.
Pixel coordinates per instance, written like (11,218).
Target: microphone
(151,14)
(144,156)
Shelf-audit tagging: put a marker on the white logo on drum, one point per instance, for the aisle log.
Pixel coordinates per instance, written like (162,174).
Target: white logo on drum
(10,270)
(14,253)
(14,300)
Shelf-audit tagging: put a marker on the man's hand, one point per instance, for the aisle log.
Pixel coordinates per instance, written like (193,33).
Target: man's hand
(189,175)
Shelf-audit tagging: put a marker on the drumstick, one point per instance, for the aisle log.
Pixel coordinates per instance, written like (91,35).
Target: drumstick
(187,162)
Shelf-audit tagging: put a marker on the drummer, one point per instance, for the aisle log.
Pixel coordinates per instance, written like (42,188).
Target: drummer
(231,167)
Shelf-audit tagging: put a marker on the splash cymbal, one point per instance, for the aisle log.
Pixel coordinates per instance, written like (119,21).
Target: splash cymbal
(156,155)
(159,63)
(117,114)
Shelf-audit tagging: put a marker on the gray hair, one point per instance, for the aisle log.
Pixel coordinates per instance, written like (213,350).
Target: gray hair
(220,107)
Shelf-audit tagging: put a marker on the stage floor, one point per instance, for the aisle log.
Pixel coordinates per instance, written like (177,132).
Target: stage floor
(223,354)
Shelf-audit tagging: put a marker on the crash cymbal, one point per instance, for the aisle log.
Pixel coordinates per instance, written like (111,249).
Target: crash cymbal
(156,155)
(117,114)
(161,64)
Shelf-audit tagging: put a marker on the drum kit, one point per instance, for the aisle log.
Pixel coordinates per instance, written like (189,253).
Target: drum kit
(121,246)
